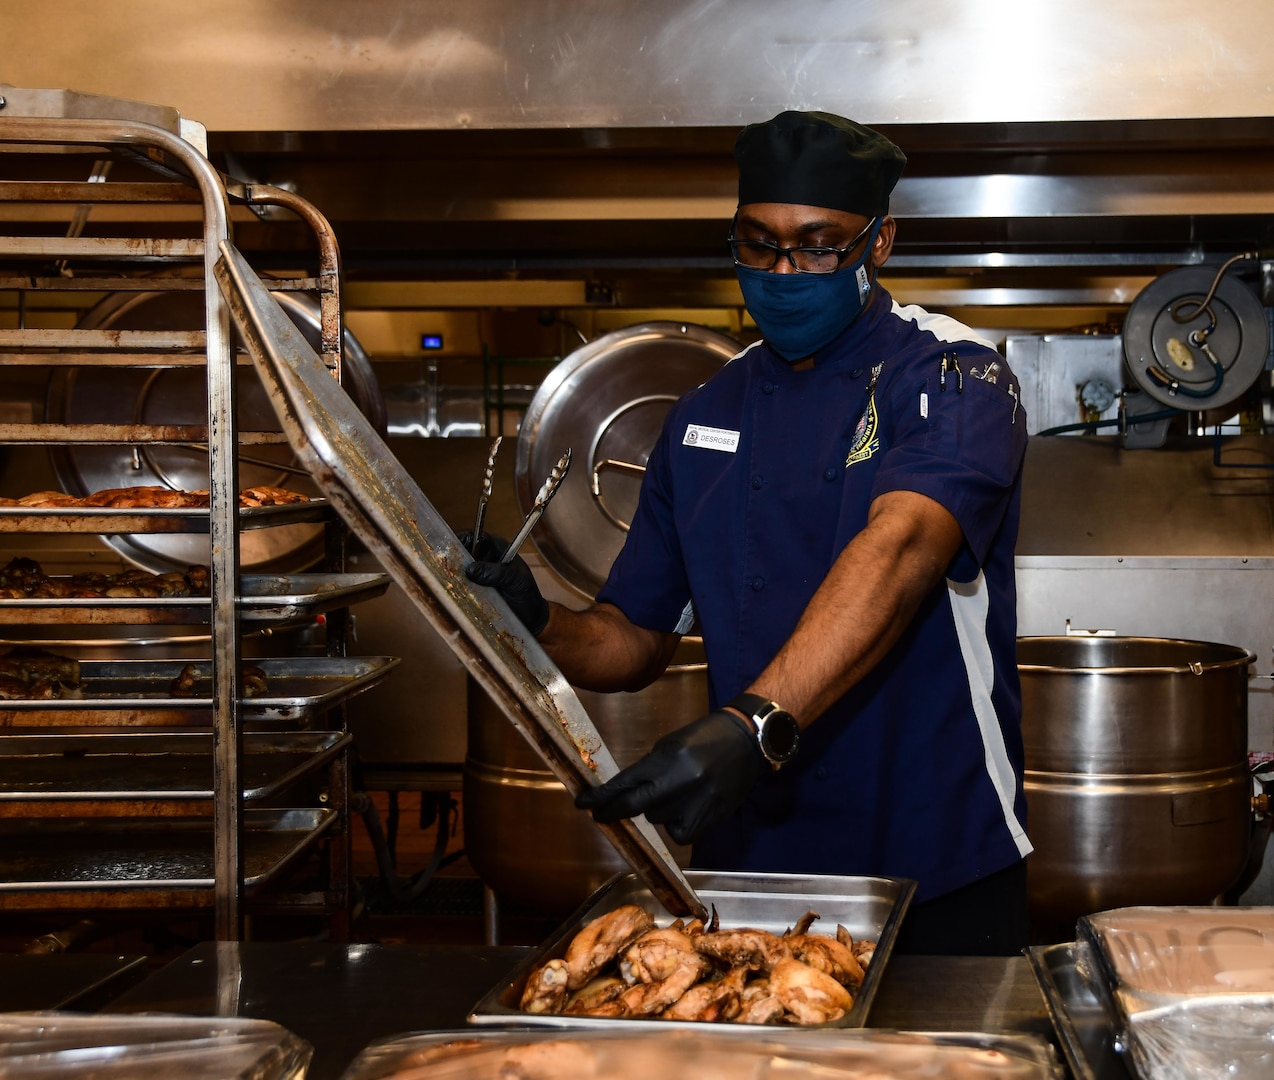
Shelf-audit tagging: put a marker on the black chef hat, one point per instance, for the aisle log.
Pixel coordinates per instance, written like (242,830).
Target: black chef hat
(817,159)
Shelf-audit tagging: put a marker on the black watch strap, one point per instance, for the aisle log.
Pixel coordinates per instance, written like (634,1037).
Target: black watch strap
(749,704)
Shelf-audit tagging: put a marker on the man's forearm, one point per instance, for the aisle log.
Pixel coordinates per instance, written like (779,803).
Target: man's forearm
(599,649)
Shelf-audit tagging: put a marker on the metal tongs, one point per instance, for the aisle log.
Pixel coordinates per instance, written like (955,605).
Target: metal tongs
(485,497)
(547,490)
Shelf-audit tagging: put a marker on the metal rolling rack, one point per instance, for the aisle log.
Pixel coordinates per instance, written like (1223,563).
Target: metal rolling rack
(144,863)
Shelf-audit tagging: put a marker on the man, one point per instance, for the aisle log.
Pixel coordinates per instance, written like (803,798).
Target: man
(836,510)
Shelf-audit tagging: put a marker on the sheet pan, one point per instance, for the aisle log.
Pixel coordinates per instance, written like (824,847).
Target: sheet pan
(263,598)
(385,507)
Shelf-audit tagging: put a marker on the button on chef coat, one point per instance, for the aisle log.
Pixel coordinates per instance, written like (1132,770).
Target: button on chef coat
(758,481)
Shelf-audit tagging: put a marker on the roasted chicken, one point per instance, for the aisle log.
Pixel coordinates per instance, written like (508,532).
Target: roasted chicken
(152,497)
(622,965)
(602,940)
(29,673)
(25,579)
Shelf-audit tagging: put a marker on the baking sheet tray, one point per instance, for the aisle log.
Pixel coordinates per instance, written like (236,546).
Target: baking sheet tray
(1082,1025)
(144,765)
(41,854)
(868,907)
(296,687)
(262,598)
(110,520)
(386,509)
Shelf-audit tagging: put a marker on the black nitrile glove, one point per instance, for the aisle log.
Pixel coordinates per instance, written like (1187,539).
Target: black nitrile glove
(691,779)
(514,580)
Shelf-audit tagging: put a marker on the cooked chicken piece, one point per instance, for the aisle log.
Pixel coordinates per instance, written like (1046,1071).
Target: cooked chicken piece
(828,956)
(41,499)
(172,584)
(600,997)
(50,589)
(649,999)
(269,496)
(12,689)
(32,664)
(712,1001)
(21,573)
(603,939)
(754,949)
(184,684)
(809,996)
(197,576)
(757,1005)
(862,949)
(655,955)
(545,989)
(803,924)
(253,682)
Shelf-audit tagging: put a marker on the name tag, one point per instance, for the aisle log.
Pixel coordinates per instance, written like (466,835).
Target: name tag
(711,438)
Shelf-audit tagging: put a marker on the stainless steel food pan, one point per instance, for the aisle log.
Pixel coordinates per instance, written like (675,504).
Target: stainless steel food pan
(161,765)
(1083,1026)
(58,854)
(296,687)
(263,598)
(868,907)
(708,1051)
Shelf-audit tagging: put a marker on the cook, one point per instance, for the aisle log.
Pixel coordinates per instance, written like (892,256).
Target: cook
(835,512)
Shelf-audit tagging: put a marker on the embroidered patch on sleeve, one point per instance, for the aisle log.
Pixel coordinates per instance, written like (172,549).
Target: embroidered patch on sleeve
(867,430)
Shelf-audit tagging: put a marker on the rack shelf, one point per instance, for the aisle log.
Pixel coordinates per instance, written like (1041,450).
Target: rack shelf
(173,766)
(164,771)
(263,598)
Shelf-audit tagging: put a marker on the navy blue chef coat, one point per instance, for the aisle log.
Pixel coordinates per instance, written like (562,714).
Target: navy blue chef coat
(758,481)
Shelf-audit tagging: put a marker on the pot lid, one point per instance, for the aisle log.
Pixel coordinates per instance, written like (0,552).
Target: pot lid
(607,402)
(180,396)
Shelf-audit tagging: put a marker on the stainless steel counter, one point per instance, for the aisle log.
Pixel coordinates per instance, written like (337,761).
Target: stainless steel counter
(341,997)
(79,982)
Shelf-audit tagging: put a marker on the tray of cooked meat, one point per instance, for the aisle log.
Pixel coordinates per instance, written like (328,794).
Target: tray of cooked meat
(37,686)
(150,509)
(706,1054)
(134,596)
(778,949)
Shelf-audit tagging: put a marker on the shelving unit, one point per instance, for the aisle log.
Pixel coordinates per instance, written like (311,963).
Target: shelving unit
(138,793)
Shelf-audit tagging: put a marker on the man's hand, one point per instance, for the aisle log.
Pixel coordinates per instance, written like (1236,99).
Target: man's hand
(691,779)
(514,580)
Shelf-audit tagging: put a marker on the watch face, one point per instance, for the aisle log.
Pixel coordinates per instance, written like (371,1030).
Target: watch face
(779,735)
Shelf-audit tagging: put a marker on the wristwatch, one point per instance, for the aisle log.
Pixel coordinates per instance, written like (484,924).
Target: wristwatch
(777,733)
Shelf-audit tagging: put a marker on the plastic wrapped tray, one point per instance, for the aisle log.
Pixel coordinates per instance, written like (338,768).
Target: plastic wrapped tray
(706,1054)
(868,907)
(1190,991)
(42,1046)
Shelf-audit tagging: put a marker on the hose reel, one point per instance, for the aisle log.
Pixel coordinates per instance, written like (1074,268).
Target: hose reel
(1196,338)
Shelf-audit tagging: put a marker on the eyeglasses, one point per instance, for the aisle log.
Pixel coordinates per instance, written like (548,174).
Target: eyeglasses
(762,255)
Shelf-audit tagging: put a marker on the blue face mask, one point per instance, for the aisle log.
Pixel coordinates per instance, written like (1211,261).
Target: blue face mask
(800,313)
